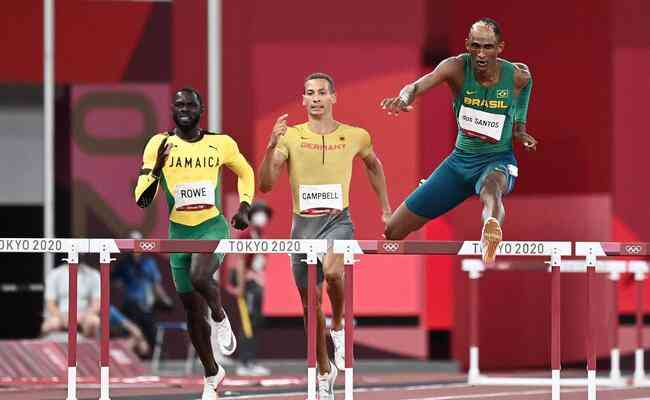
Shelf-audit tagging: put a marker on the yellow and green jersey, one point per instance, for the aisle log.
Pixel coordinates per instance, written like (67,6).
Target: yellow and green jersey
(485,114)
(320,166)
(190,176)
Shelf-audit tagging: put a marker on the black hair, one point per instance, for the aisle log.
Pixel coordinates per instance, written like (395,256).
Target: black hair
(494,25)
(189,89)
(321,75)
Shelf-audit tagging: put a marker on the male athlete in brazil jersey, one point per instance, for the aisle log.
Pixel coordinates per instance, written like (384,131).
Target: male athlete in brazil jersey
(185,163)
(320,154)
(490,104)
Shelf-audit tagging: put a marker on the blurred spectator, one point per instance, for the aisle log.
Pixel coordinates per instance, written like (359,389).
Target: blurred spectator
(247,282)
(140,280)
(57,300)
(121,326)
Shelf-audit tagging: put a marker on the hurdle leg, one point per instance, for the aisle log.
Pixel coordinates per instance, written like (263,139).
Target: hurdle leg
(311,326)
(473,374)
(615,370)
(104,270)
(349,325)
(73,268)
(591,329)
(639,370)
(555,326)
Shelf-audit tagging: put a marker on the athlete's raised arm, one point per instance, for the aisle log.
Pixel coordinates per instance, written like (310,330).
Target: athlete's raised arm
(449,70)
(275,156)
(153,159)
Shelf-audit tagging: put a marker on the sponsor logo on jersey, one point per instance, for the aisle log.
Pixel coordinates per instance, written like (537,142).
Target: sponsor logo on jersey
(498,104)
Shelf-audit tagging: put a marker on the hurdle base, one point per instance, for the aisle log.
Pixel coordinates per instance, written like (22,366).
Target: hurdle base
(349,384)
(641,381)
(311,383)
(104,382)
(513,381)
(72,383)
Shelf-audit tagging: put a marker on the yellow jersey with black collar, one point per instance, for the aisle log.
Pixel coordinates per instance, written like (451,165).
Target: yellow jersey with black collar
(320,165)
(190,176)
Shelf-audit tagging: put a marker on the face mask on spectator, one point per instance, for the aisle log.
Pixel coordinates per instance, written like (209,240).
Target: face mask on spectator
(259,219)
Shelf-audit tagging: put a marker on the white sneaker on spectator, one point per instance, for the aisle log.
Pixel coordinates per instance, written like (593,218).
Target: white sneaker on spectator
(221,336)
(338,338)
(326,384)
(211,384)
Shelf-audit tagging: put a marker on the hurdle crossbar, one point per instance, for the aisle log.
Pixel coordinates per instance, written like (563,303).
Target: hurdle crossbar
(554,250)
(106,247)
(475,268)
(312,248)
(592,250)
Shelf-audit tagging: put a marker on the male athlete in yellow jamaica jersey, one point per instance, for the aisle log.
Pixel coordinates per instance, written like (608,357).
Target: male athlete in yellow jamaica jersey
(186,163)
(320,154)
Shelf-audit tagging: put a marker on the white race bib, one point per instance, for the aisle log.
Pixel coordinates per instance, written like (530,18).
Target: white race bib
(321,196)
(194,196)
(484,125)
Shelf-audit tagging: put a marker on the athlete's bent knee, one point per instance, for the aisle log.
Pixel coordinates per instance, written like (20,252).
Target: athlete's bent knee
(391,233)
(494,183)
(333,276)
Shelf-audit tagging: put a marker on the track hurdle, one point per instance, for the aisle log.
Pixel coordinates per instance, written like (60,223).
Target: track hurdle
(591,251)
(552,250)
(312,248)
(72,247)
(475,268)
(107,247)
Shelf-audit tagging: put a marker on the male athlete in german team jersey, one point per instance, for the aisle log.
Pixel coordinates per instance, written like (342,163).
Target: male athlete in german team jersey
(490,104)
(186,163)
(320,155)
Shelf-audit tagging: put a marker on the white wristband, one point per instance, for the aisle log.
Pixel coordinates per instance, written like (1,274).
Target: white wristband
(406,94)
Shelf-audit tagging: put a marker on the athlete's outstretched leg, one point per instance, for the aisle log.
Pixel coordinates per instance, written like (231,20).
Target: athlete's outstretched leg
(494,186)
(402,223)
(202,272)
(199,330)
(321,346)
(492,190)
(333,269)
(442,191)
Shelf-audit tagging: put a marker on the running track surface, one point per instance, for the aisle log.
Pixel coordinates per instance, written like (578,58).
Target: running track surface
(377,387)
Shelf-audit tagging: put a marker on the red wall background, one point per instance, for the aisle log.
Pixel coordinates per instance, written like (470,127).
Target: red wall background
(588,59)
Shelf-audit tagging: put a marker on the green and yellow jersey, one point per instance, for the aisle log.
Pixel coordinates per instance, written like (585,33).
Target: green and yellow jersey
(190,175)
(485,114)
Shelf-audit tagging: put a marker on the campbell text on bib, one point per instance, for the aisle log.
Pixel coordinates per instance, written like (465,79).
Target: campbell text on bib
(321,196)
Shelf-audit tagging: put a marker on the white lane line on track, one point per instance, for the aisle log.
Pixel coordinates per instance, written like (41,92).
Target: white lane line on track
(428,387)
(512,394)
(359,390)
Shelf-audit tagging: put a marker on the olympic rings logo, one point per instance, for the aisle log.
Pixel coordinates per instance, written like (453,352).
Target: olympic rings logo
(633,249)
(147,246)
(390,247)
